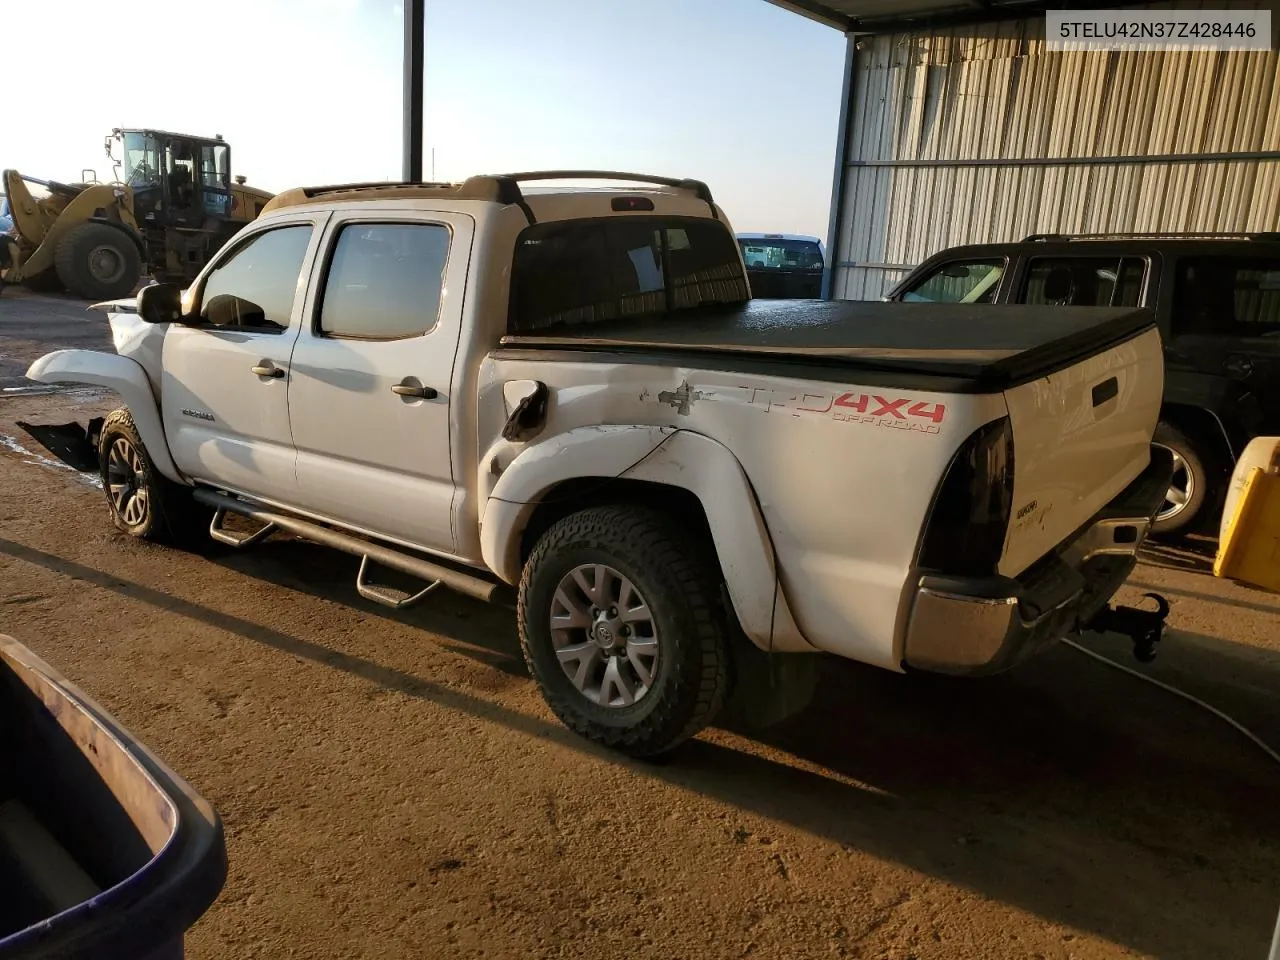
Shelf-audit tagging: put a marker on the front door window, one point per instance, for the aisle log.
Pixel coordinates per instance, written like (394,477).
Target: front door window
(255,286)
(958,281)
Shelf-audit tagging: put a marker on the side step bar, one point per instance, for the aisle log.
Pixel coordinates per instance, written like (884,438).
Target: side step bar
(272,520)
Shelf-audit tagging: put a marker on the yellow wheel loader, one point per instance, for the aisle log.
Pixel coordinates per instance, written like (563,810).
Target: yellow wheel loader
(172,205)
(81,237)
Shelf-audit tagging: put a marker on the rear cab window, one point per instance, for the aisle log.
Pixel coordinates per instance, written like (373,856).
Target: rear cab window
(1085,281)
(580,272)
(780,253)
(1227,296)
(959,281)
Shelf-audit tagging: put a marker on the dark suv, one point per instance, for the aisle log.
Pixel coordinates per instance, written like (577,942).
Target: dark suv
(1217,301)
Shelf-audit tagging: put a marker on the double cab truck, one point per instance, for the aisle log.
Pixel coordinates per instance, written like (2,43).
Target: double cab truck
(1216,298)
(569,394)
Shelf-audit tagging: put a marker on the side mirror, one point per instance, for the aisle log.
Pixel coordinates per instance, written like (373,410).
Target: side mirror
(228,310)
(160,303)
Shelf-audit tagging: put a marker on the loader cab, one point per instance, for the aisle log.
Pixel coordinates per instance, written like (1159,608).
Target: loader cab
(178,180)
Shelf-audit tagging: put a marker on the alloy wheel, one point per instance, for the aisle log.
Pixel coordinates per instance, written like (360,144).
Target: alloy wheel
(604,635)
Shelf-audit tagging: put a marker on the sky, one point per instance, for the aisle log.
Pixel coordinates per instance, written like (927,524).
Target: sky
(739,93)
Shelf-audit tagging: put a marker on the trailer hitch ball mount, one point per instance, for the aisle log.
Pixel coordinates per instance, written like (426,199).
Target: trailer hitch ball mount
(1144,627)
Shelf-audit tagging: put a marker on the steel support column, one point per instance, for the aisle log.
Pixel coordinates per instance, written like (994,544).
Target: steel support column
(838,182)
(414,61)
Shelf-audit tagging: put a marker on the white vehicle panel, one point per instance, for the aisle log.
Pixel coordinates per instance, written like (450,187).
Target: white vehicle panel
(226,423)
(843,488)
(379,460)
(239,436)
(1080,436)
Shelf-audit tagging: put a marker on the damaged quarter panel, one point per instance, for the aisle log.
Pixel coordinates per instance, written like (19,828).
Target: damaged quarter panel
(139,341)
(125,377)
(844,475)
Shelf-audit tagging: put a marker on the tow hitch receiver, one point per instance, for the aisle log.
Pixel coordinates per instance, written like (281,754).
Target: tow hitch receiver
(1143,627)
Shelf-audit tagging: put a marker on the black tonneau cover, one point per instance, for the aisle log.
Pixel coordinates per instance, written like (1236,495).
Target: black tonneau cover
(994,346)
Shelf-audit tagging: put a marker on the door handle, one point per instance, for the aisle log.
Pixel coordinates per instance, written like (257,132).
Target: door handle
(1108,389)
(265,368)
(414,390)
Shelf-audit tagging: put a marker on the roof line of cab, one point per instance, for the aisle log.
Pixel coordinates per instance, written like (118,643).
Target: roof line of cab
(501,188)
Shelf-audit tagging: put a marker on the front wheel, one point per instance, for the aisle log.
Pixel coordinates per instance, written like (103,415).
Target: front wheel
(622,628)
(141,501)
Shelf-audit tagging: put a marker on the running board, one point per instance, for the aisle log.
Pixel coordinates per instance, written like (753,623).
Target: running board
(388,596)
(237,540)
(272,520)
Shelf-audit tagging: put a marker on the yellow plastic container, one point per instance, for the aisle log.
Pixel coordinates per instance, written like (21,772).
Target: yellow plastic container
(1249,543)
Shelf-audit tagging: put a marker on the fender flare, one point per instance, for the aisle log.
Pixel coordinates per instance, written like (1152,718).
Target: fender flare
(127,378)
(678,458)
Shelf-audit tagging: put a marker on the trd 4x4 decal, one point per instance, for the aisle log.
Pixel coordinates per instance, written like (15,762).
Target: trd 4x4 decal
(903,413)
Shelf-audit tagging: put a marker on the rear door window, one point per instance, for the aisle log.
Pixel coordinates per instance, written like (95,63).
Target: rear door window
(1085,281)
(1227,296)
(385,281)
(592,271)
(958,281)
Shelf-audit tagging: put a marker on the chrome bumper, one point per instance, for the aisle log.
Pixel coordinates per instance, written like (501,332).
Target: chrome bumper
(987,625)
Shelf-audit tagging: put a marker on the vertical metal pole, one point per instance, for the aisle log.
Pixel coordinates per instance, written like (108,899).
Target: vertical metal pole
(834,253)
(414,61)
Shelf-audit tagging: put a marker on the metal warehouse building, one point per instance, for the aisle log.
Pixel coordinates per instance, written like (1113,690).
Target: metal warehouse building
(957,125)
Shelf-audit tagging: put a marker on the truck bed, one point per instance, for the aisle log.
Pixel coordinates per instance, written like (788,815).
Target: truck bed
(973,346)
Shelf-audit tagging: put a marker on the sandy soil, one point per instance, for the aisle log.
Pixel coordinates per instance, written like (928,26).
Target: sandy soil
(392,785)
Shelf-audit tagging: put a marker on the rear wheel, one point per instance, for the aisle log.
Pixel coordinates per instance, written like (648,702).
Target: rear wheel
(143,502)
(621,627)
(1191,488)
(98,262)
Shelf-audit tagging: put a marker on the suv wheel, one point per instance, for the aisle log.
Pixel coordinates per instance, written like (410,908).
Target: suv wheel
(1190,489)
(622,629)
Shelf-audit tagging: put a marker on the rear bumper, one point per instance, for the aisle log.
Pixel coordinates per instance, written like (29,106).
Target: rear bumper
(986,625)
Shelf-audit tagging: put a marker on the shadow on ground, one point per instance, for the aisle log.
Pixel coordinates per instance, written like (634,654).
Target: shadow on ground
(1195,554)
(1067,789)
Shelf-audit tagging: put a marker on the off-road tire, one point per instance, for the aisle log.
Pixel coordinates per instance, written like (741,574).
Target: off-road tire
(678,577)
(170,514)
(1204,486)
(73,257)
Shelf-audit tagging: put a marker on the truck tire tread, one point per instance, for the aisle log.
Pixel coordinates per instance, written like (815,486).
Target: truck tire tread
(174,518)
(71,261)
(678,583)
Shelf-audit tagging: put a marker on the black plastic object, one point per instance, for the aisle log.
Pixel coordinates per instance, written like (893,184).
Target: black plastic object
(990,346)
(1144,627)
(969,518)
(73,444)
(104,851)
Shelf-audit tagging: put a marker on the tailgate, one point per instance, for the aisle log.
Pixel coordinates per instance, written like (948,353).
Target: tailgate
(1080,435)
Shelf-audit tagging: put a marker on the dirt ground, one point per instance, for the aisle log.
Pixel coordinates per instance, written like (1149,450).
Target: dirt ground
(392,785)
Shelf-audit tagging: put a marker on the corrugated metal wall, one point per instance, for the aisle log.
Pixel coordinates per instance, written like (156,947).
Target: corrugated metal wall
(948,132)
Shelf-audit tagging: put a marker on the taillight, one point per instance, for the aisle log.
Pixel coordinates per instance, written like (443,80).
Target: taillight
(964,535)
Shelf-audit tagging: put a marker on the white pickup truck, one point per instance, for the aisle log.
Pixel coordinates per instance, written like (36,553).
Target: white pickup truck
(569,391)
